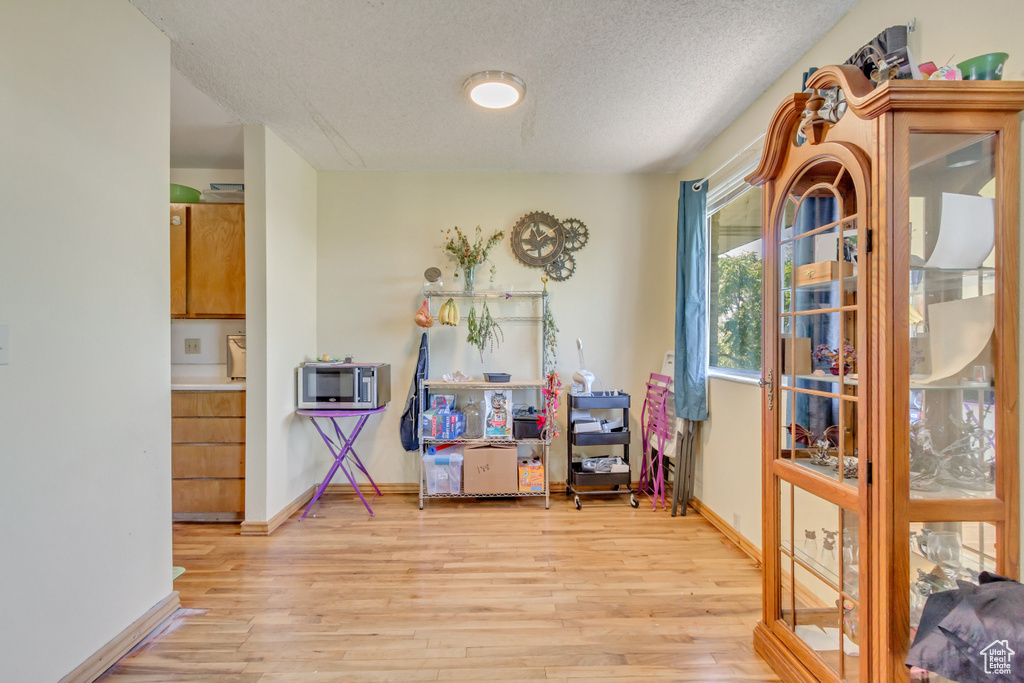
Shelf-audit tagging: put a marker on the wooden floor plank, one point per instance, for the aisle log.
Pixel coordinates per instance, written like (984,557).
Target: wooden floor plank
(464,590)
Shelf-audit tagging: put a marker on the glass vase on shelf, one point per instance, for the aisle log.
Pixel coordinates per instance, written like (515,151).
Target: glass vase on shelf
(474,420)
(468,274)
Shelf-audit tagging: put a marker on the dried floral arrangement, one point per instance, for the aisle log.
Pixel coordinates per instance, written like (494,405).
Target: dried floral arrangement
(471,255)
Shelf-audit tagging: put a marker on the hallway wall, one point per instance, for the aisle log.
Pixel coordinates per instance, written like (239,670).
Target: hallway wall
(85,401)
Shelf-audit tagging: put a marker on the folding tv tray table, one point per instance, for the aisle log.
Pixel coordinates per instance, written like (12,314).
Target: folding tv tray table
(342,450)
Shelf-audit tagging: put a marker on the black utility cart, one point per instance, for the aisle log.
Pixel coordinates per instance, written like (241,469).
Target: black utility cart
(611,483)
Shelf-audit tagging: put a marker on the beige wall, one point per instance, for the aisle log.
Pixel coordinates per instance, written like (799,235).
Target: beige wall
(378,232)
(280,271)
(728,466)
(84,287)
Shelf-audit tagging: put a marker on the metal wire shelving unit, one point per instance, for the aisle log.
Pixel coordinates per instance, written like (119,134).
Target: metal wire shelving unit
(425,385)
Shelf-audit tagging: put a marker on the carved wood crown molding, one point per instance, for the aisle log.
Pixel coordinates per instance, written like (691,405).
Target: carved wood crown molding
(867,102)
(780,130)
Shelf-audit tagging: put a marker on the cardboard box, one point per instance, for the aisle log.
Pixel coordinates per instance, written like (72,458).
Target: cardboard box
(490,469)
(443,424)
(442,401)
(822,271)
(796,355)
(531,476)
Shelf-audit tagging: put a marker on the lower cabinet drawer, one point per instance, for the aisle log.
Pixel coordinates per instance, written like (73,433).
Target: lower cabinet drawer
(207,495)
(189,461)
(207,430)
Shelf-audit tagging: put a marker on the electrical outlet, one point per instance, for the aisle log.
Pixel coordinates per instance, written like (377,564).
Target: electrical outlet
(736,521)
(191,346)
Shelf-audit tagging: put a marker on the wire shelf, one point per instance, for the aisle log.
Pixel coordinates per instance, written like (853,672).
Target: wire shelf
(505,319)
(485,294)
(489,442)
(521,384)
(519,494)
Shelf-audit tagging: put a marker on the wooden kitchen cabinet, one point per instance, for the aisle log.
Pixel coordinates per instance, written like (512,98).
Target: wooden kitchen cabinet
(179,259)
(207,260)
(891,471)
(208,455)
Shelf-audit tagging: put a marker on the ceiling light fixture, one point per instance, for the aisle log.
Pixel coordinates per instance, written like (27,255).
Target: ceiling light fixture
(495,89)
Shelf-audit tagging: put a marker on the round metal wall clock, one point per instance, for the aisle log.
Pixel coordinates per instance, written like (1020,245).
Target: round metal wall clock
(538,239)
(542,241)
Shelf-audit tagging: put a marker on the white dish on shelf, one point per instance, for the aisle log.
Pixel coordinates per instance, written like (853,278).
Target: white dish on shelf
(456,376)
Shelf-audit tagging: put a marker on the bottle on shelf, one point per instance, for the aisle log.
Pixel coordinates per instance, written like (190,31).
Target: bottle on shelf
(474,420)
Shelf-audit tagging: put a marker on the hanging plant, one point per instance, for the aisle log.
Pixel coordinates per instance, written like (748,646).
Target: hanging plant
(547,418)
(484,331)
(550,332)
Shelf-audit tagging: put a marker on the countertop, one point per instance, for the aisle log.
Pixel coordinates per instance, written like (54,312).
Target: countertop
(206,384)
(203,378)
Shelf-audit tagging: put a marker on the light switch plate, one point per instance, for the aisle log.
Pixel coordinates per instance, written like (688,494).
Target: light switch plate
(5,339)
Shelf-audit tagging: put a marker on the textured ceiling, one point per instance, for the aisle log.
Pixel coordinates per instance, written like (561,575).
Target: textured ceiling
(613,86)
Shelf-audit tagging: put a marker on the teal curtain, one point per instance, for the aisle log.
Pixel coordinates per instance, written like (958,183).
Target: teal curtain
(691,355)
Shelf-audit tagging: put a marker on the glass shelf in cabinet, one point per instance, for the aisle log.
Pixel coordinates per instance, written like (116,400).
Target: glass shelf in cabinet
(849,285)
(812,565)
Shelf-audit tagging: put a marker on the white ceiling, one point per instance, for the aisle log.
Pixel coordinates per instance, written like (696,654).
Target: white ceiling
(613,86)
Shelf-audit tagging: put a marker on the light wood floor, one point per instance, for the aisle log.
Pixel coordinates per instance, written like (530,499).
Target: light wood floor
(472,590)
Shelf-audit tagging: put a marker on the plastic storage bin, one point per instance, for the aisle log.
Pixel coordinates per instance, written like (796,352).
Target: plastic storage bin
(443,471)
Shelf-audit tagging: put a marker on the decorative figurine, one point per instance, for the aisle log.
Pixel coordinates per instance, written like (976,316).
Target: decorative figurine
(821,455)
(810,543)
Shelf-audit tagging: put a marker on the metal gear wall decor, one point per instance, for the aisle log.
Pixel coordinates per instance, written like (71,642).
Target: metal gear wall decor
(542,241)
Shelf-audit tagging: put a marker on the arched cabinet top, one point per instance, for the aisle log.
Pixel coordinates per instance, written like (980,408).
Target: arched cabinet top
(865,102)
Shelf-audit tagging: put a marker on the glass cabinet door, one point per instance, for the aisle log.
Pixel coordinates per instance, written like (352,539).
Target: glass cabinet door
(819,267)
(953,368)
(952,285)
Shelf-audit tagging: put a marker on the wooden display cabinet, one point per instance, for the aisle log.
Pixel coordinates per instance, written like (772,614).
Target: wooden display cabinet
(909,191)
(207,260)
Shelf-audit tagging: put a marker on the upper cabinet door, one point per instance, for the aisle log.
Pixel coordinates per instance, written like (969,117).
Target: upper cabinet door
(179,258)
(217,260)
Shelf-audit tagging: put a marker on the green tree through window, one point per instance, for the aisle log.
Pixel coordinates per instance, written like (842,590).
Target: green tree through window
(735,283)
(739,311)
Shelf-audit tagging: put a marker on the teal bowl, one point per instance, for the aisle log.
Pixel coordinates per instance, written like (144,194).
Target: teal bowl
(984,68)
(183,194)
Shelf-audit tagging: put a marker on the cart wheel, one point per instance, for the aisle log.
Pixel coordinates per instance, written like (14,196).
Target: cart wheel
(615,488)
(577,503)
(633,501)
(421,506)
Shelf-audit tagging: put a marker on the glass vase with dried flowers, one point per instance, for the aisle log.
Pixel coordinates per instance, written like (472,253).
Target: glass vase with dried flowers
(468,255)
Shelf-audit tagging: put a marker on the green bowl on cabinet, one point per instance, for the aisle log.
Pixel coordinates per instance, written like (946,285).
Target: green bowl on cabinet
(183,194)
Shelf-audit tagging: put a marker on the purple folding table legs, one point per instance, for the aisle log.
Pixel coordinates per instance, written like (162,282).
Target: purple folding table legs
(342,450)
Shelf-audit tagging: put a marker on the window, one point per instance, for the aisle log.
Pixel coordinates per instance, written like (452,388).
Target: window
(734,275)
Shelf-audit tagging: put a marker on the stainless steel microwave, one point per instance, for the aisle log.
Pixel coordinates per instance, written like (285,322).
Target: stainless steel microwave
(343,386)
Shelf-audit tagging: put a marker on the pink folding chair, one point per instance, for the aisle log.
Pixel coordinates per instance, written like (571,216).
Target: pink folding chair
(656,426)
